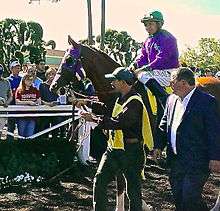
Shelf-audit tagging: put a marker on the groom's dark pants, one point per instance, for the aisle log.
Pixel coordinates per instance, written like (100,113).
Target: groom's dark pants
(129,162)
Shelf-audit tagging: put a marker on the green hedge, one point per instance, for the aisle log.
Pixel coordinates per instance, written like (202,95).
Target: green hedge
(43,158)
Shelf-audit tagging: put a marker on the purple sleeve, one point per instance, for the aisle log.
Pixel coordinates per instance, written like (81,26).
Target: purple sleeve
(167,53)
(142,58)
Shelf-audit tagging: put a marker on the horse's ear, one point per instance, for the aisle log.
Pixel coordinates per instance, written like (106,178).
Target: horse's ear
(73,42)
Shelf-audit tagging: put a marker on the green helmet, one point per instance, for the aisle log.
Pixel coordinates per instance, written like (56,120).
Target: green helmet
(153,16)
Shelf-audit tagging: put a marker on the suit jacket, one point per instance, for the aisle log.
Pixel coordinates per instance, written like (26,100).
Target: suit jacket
(198,135)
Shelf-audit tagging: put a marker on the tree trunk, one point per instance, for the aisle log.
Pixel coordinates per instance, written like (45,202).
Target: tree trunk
(89,22)
(103,25)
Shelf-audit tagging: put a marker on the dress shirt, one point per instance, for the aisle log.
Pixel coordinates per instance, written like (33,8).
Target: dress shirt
(177,118)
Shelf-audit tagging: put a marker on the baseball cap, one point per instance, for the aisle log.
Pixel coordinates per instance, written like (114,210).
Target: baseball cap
(14,64)
(120,73)
(217,74)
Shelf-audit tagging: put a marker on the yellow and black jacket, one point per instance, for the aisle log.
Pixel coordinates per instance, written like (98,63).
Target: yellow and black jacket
(129,120)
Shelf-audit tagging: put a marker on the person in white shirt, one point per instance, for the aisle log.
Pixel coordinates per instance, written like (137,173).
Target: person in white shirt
(190,128)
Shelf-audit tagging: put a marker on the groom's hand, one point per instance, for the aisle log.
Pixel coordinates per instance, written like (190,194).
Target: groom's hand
(214,166)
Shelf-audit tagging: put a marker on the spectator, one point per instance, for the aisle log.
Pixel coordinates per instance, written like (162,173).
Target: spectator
(37,81)
(208,73)
(41,69)
(24,70)
(190,128)
(26,94)
(14,80)
(5,95)
(62,99)
(217,75)
(49,98)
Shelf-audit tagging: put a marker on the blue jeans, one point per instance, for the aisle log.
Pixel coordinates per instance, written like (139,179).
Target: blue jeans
(26,127)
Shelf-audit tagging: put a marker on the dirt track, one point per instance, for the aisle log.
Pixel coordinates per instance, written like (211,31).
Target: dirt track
(74,192)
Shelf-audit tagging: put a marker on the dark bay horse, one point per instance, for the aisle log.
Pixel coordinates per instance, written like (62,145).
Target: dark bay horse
(96,64)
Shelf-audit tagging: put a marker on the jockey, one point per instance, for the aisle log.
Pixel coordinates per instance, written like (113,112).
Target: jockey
(158,57)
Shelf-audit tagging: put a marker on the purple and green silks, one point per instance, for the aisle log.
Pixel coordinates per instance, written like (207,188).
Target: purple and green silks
(159,52)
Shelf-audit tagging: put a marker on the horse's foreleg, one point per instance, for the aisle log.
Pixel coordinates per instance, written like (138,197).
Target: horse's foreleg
(217,204)
(121,185)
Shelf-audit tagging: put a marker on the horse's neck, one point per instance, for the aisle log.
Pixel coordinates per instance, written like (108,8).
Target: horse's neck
(96,65)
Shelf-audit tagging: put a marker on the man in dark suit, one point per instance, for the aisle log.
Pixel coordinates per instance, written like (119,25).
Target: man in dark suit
(190,128)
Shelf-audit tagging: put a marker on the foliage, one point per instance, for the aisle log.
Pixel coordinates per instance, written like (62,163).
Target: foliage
(119,45)
(39,158)
(20,39)
(206,55)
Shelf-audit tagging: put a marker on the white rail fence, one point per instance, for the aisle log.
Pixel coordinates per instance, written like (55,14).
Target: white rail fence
(20,111)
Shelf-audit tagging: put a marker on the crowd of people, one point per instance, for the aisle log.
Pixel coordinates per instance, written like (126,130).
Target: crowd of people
(29,86)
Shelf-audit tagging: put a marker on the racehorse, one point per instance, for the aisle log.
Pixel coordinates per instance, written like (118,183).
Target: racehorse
(96,64)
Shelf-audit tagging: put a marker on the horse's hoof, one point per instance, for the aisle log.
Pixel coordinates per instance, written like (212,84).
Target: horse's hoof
(146,207)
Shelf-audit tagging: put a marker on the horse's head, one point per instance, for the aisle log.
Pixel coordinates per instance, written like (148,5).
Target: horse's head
(95,63)
(70,69)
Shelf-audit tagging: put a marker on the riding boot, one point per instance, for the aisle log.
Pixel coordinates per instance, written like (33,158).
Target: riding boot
(140,88)
(158,91)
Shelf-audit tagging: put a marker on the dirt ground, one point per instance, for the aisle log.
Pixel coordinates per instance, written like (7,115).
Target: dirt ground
(73,191)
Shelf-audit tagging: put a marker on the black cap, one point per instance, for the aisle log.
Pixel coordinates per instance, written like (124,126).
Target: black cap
(120,73)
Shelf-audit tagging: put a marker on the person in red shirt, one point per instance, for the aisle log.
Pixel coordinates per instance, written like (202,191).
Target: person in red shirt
(26,94)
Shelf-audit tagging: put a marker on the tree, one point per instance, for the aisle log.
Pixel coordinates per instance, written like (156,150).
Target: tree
(206,55)
(120,46)
(20,39)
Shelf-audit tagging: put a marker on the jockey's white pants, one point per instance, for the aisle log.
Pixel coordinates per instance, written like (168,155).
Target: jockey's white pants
(161,76)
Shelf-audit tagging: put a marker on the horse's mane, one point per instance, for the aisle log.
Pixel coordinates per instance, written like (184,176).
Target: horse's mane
(100,53)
